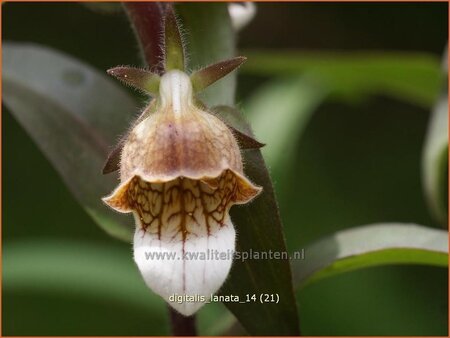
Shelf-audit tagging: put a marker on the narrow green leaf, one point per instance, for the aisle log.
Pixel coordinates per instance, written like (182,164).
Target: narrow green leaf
(435,158)
(73,113)
(259,229)
(435,162)
(412,77)
(174,53)
(206,76)
(371,245)
(140,79)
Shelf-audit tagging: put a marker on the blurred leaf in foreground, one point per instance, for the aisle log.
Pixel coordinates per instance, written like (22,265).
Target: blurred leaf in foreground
(435,162)
(371,245)
(80,273)
(411,77)
(278,113)
(435,158)
(73,113)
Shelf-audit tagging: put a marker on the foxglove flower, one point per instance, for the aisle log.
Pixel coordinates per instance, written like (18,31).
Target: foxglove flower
(180,172)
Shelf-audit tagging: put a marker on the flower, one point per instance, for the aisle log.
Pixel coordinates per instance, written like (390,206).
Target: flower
(181,171)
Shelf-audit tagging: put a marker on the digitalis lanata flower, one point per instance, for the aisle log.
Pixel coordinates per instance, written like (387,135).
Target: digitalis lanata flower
(180,172)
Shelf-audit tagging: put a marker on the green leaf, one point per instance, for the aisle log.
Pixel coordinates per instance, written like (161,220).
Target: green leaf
(412,77)
(74,114)
(278,113)
(214,320)
(50,265)
(91,272)
(435,161)
(371,245)
(259,229)
(210,39)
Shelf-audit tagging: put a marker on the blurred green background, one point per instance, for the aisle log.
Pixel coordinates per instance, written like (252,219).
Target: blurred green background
(358,161)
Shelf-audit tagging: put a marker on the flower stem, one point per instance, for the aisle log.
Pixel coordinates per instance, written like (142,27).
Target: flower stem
(181,325)
(147,19)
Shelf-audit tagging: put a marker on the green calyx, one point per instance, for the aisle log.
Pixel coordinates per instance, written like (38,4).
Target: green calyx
(174,49)
(140,79)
